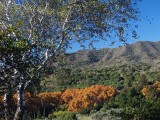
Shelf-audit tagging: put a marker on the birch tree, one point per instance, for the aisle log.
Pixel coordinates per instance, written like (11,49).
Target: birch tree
(34,32)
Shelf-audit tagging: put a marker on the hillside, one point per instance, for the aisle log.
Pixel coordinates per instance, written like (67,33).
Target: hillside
(140,52)
(130,69)
(106,66)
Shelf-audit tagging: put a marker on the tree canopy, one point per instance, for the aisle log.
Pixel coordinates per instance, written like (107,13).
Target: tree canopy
(34,32)
(39,30)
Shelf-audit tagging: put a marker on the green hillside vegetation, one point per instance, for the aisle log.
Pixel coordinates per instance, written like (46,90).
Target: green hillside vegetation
(129,80)
(118,76)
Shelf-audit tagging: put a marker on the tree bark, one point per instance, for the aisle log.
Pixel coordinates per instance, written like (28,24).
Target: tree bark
(20,102)
(7,103)
(6,107)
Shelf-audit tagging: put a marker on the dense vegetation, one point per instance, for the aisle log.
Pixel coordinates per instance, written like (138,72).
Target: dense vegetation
(76,100)
(119,77)
(133,83)
(136,95)
(35,33)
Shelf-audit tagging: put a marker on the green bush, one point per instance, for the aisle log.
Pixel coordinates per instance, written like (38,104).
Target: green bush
(70,116)
(105,115)
(85,111)
(63,115)
(93,111)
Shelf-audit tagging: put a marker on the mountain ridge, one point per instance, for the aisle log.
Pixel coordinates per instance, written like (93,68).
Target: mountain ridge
(139,52)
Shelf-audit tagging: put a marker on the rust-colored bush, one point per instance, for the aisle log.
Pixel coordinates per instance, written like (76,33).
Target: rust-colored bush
(79,99)
(72,99)
(150,91)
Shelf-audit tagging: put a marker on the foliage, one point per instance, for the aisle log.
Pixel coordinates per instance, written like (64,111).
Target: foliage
(63,115)
(143,110)
(152,91)
(106,115)
(118,77)
(50,99)
(74,100)
(133,105)
(78,100)
(34,32)
(129,102)
(147,110)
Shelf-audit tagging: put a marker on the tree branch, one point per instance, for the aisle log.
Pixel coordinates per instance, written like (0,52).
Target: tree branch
(63,32)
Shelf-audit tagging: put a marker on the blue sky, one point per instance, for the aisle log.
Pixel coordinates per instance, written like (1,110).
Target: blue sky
(147,31)
(150,10)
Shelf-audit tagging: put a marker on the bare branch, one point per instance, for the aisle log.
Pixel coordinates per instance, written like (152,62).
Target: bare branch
(27,84)
(63,31)
(8,2)
(43,13)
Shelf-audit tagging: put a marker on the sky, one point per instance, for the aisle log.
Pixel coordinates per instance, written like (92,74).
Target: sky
(148,27)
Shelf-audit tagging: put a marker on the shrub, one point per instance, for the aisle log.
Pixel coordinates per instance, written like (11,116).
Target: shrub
(63,115)
(104,116)
(93,111)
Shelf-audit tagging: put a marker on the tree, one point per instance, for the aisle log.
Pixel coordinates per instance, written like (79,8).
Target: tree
(34,32)
(143,81)
(82,99)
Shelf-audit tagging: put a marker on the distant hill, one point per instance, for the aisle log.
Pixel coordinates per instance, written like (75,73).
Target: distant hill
(140,52)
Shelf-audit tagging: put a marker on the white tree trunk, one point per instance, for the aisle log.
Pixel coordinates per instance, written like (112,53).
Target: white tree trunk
(20,102)
(6,107)
(7,102)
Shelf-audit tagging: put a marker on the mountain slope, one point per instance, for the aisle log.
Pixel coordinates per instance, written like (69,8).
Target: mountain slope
(139,52)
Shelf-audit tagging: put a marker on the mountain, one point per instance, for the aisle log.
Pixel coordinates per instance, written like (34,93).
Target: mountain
(139,52)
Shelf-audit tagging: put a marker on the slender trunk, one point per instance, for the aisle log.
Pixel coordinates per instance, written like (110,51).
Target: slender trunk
(20,103)
(44,111)
(7,102)
(6,107)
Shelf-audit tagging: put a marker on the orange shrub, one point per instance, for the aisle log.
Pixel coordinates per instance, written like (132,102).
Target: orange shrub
(69,94)
(49,99)
(156,85)
(148,90)
(79,99)
(73,99)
